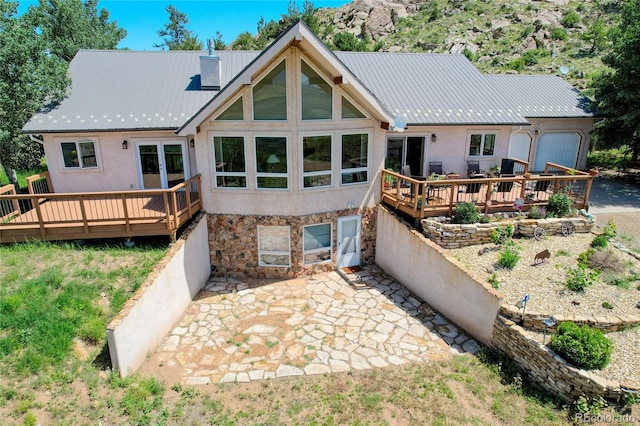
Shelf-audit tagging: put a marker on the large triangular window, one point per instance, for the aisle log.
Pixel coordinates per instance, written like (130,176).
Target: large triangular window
(349,110)
(317,95)
(234,112)
(270,95)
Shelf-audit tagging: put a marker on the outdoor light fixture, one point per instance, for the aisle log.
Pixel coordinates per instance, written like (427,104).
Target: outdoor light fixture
(434,138)
(125,144)
(549,322)
(192,143)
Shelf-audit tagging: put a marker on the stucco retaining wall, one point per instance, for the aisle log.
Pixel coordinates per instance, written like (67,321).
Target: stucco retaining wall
(160,302)
(233,242)
(606,324)
(549,370)
(435,276)
(450,235)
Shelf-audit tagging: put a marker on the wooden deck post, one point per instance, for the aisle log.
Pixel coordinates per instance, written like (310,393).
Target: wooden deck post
(587,192)
(127,223)
(36,204)
(85,223)
(165,196)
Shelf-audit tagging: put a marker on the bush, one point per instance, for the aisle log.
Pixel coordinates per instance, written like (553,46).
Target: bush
(501,234)
(570,19)
(604,260)
(465,213)
(610,230)
(579,278)
(583,258)
(559,205)
(537,212)
(583,346)
(559,33)
(599,242)
(509,256)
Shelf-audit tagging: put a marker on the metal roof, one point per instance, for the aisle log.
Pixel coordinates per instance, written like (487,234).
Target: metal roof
(134,90)
(150,90)
(537,96)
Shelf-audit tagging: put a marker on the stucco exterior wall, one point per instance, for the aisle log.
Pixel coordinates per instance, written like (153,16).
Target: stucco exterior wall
(437,278)
(582,126)
(117,168)
(233,242)
(160,302)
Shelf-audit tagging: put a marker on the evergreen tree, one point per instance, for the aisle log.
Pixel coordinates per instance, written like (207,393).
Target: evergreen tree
(175,34)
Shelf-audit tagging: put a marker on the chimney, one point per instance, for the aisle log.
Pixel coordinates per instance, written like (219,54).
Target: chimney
(210,69)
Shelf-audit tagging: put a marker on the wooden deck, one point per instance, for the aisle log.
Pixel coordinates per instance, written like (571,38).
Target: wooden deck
(426,198)
(51,216)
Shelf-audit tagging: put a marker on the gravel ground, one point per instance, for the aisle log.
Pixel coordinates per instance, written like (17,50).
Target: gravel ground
(545,285)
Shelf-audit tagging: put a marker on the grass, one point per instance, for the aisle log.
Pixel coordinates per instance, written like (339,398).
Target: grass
(22,175)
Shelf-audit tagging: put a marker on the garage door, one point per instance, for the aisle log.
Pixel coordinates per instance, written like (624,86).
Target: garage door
(559,148)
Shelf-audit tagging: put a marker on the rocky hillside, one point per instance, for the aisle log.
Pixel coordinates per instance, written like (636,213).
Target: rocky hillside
(564,37)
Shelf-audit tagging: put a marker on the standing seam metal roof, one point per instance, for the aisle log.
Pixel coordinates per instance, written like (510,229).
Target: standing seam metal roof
(127,90)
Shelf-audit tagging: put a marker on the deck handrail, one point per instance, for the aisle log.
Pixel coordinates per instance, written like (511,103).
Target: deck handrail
(97,209)
(33,183)
(524,164)
(568,171)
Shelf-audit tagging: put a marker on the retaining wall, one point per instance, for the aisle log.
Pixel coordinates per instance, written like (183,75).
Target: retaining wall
(435,276)
(549,370)
(161,301)
(450,235)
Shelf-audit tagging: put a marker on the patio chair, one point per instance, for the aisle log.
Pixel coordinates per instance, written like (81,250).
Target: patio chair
(504,187)
(435,167)
(507,166)
(472,188)
(473,168)
(542,185)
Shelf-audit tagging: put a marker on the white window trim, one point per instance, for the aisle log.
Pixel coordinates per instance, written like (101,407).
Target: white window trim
(76,142)
(267,174)
(275,253)
(318,250)
(319,173)
(286,93)
(483,133)
(230,174)
(357,169)
(333,91)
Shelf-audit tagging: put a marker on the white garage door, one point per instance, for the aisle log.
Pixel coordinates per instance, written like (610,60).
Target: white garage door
(559,148)
(519,146)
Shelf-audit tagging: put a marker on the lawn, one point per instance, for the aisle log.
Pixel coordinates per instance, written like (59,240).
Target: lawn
(55,300)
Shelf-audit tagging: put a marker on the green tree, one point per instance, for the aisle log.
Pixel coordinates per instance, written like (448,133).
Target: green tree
(617,92)
(244,41)
(29,78)
(71,25)
(175,34)
(348,42)
(218,43)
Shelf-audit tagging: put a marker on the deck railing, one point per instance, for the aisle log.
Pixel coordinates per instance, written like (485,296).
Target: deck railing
(110,214)
(422,198)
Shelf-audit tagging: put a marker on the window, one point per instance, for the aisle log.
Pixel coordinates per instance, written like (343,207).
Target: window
(316,95)
(271,162)
(349,110)
(228,153)
(234,112)
(482,144)
(270,95)
(316,161)
(316,242)
(274,246)
(354,158)
(79,155)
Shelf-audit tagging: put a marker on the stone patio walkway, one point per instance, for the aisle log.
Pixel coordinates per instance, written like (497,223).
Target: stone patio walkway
(242,331)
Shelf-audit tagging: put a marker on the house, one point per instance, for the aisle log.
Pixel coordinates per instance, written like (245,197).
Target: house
(289,142)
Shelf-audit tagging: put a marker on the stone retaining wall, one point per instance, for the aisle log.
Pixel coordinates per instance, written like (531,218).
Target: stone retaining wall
(233,243)
(533,320)
(450,235)
(549,370)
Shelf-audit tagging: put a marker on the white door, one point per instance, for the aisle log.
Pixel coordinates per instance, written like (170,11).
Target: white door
(348,241)
(161,165)
(559,148)
(519,146)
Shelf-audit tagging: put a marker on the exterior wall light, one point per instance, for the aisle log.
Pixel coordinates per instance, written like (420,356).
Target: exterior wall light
(434,138)
(125,144)
(192,143)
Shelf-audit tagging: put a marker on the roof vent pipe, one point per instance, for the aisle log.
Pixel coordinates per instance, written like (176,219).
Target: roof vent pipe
(210,69)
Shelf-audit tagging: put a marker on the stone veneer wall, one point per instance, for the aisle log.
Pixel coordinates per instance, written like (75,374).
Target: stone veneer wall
(449,235)
(606,324)
(549,370)
(233,242)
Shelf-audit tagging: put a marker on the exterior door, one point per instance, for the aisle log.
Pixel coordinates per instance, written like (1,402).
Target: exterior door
(519,146)
(348,241)
(415,155)
(161,165)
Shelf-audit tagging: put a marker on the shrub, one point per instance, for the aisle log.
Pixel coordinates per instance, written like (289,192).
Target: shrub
(579,278)
(610,230)
(604,260)
(607,305)
(537,212)
(583,258)
(583,346)
(559,205)
(509,256)
(493,280)
(599,242)
(501,234)
(559,33)
(570,19)
(465,213)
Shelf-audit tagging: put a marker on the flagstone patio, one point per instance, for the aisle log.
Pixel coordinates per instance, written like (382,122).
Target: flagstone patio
(239,331)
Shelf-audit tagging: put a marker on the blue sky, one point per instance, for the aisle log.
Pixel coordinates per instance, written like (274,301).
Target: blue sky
(143,18)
